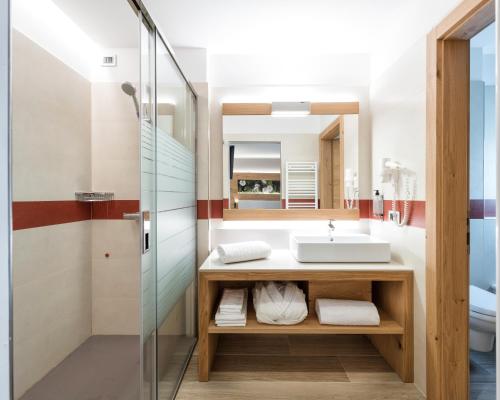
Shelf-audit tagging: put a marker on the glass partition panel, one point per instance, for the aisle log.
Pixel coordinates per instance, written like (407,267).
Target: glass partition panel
(148,207)
(482,216)
(176,222)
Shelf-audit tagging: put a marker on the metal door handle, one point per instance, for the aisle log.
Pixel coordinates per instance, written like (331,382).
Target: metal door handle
(132,216)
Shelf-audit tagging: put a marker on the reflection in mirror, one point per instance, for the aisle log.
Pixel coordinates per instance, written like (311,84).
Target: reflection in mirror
(255,174)
(283,162)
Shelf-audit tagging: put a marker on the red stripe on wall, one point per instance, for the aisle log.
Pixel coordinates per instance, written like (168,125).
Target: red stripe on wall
(490,208)
(416,209)
(216,207)
(476,208)
(202,209)
(482,208)
(34,214)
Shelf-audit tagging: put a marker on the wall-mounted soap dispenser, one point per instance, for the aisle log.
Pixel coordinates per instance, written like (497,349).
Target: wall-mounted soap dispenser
(378,204)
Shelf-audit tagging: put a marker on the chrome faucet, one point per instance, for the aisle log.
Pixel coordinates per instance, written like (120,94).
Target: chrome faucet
(331,228)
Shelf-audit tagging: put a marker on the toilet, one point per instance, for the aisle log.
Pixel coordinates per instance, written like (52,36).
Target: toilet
(482,319)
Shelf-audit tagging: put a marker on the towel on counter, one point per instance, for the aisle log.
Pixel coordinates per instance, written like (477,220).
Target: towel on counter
(279,303)
(243,251)
(346,312)
(232,310)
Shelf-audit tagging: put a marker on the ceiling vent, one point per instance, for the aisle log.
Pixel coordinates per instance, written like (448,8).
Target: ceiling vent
(108,61)
(291,108)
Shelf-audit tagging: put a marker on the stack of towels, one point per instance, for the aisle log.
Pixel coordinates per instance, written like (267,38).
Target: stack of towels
(346,312)
(232,309)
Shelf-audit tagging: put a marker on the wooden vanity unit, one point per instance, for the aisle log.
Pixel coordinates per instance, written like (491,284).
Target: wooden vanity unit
(388,285)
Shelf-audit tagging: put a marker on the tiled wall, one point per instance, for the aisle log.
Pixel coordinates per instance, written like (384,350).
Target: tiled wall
(115,242)
(76,265)
(51,264)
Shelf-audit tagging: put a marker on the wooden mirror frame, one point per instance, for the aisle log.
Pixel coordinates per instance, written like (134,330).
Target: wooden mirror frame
(231,214)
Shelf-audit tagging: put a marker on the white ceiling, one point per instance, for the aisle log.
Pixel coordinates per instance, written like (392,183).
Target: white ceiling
(277,26)
(109,23)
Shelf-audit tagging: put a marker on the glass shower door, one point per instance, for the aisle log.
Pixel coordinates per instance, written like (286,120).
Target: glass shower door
(176,222)
(168,216)
(148,214)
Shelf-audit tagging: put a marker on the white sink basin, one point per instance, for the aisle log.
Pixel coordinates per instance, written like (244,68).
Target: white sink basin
(343,248)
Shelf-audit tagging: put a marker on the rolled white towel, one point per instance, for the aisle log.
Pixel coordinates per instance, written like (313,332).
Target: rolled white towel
(346,312)
(243,251)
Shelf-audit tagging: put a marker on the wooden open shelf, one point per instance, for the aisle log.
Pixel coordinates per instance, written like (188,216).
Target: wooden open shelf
(310,326)
(391,291)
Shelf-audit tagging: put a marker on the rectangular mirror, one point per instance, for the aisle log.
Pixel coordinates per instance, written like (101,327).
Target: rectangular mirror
(307,162)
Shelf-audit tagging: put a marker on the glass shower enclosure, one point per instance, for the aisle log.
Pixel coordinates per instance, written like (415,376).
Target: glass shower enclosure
(104,204)
(168,216)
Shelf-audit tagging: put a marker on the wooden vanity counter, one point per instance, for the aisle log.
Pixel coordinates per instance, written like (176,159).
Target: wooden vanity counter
(388,285)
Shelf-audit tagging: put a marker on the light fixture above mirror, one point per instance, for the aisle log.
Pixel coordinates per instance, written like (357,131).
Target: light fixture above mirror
(290,109)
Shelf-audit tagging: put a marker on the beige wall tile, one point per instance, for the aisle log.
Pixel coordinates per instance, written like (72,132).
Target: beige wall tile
(115,279)
(51,125)
(115,142)
(52,297)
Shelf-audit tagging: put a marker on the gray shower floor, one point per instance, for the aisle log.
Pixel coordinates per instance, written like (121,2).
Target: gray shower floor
(102,368)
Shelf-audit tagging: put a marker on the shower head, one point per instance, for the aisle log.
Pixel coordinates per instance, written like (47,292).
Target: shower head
(130,90)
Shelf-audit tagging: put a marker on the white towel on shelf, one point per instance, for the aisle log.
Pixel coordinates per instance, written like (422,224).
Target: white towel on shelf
(346,312)
(232,300)
(243,251)
(279,303)
(238,299)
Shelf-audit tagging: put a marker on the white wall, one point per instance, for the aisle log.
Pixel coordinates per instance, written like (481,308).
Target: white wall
(5,227)
(398,117)
(421,16)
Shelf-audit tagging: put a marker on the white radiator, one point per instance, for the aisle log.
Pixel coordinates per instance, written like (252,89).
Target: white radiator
(301,185)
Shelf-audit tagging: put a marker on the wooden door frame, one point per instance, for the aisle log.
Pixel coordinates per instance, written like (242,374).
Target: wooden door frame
(334,132)
(447,208)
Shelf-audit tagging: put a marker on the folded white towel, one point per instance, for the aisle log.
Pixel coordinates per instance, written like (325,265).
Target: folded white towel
(235,317)
(279,303)
(232,300)
(232,323)
(346,312)
(243,251)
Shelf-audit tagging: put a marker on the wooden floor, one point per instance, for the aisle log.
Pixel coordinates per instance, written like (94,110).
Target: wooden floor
(279,367)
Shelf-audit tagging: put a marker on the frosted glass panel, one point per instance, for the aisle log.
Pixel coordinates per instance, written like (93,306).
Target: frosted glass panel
(176,222)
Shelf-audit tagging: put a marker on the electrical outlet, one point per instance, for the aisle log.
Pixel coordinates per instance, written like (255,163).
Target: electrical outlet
(394,216)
